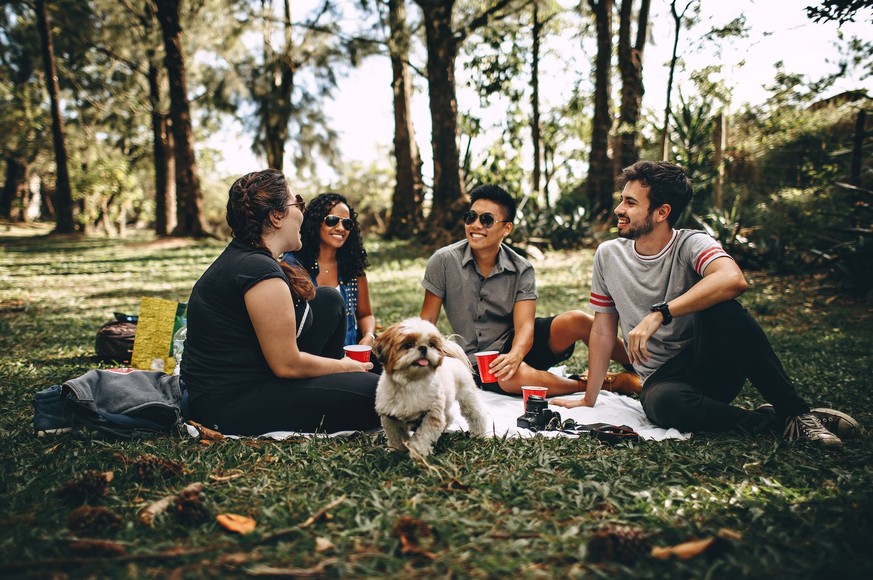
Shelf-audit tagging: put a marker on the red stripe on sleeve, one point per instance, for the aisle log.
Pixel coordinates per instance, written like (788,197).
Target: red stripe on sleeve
(601,300)
(706,255)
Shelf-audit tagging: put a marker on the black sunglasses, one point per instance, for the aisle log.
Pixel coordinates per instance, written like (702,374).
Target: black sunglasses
(486,219)
(332,220)
(298,200)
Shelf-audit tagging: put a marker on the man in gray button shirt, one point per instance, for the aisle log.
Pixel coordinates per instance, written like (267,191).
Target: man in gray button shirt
(489,294)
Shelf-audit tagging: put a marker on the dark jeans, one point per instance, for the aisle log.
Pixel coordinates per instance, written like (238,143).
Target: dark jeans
(693,390)
(540,355)
(337,402)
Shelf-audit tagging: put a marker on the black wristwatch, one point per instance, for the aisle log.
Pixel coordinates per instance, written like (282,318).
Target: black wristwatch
(664,310)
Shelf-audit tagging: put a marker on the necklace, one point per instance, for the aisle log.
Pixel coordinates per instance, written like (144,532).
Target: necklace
(319,270)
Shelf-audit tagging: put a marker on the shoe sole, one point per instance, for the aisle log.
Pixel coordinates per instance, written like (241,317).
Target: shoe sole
(844,426)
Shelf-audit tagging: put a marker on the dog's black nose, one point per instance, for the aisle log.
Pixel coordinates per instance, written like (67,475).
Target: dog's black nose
(423,350)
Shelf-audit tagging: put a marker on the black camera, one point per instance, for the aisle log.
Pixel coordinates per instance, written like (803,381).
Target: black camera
(537,416)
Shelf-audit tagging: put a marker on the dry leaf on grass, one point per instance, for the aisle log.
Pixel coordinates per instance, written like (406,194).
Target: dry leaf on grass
(236,523)
(412,534)
(323,545)
(205,432)
(688,550)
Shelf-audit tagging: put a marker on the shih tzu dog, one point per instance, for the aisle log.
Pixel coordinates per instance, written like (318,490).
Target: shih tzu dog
(423,374)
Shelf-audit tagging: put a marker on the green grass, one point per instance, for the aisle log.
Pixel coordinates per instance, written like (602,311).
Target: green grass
(489,508)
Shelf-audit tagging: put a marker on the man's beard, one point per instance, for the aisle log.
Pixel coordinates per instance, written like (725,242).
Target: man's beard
(633,233)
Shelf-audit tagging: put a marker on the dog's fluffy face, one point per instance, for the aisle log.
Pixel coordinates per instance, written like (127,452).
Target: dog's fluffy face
(412,346)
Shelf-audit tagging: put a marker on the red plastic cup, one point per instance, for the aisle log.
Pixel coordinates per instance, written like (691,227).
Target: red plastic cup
(484,360)
(358,352)
(528,391)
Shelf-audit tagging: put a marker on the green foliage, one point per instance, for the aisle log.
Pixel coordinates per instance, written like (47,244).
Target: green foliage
(107,189)
(841,11)
(497,507)
(567,225)
(368,188)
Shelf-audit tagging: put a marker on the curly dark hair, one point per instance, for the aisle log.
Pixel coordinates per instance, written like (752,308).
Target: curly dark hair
(249,202)
(667,182)
(351,257)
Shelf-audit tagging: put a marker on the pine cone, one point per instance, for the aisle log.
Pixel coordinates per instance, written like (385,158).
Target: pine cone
(89,485)
(88,521)
(149,466)
(191,508)
(623,544)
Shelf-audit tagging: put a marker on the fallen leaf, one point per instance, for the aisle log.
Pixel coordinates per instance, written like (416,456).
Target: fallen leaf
(685,550)
(323,545)
(728,534)
(412,533)
(206,432)
(236,523)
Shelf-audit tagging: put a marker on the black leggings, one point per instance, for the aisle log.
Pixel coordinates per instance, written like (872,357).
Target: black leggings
(693,390)
(337,402)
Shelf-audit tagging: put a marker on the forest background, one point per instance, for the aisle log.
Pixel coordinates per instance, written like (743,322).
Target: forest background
(121,114)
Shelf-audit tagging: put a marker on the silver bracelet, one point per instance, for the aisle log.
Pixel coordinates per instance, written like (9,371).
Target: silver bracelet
(370,334)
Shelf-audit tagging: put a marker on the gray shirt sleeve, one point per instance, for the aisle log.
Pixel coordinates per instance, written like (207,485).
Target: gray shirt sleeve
(434,280)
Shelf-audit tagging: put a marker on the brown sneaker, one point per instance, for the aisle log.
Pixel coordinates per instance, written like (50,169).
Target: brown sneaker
(621,383)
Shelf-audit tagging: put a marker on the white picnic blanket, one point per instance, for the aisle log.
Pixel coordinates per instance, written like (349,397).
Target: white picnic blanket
(503,411)
(614,409)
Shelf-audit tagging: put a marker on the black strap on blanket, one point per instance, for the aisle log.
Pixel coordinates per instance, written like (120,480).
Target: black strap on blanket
(605,432)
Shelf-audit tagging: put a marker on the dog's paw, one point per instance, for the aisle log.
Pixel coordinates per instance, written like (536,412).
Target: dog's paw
(419,450)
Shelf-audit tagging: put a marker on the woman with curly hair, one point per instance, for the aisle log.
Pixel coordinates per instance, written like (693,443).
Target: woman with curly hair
(264,346)
(333,253)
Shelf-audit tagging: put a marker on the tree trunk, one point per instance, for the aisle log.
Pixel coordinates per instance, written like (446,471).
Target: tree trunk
(16,173)
(406,202)
(601,183)
(448,191)
(858,148)
(63,204)
(719,135)
(189,197)
(630,64)
(535,129)
(276,106)
(162,149)
(677,21)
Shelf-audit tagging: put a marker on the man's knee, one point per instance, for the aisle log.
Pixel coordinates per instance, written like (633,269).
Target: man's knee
(572,326)
(668,405)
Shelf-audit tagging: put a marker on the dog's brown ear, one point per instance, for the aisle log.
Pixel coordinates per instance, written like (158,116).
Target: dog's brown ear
(378,351)
(383,344)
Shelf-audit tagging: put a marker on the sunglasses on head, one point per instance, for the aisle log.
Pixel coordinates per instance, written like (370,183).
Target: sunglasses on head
(332,220)
(298,200)
(486,219)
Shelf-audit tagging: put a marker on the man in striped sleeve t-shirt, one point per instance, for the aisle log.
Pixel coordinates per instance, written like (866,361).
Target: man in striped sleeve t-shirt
(693,345)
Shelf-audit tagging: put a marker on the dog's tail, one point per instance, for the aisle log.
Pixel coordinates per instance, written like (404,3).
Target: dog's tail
(454,350)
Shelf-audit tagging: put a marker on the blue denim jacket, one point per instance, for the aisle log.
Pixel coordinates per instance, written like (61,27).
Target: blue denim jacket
(123,402)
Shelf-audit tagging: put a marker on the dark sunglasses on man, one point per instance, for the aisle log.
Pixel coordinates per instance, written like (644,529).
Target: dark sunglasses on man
(486,219)
(332,220)
(298,200)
